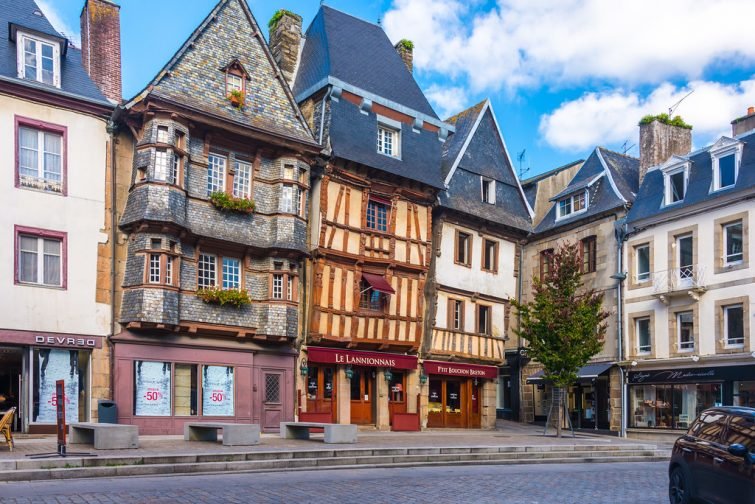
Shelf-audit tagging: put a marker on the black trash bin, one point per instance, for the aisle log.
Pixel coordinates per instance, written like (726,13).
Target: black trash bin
(107,411)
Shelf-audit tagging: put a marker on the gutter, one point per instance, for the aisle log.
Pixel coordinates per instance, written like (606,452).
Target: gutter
(113,226)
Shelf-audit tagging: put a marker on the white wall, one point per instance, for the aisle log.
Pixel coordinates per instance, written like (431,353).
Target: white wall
(81,214)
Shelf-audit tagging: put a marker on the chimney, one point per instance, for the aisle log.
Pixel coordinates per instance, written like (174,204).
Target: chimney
(744,124)
(285,39)
(661,138)
(405,49)
(101,46)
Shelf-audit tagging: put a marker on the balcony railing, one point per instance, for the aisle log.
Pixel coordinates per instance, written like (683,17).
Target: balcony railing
(688,280)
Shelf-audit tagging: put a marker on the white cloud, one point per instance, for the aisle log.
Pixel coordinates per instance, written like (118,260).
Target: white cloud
(606,118)
(56,20)
(447,101)
(519,42)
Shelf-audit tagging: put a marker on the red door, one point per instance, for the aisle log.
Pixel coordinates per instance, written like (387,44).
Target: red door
(272,400)
(362,397)
(396,394)
(321,394)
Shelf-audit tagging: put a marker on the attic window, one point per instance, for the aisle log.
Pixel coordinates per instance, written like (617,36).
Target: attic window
(725,168)
(488,190)
(389,137)
(676,185)
(235,82)
(38,59)
(576,203)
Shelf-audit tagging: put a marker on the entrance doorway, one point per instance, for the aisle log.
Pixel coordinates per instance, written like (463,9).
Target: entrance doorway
(11,383)
(321,391)
(362,396)
(454,403)
(396,394)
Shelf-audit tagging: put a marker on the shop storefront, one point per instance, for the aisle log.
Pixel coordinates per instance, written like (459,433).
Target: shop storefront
(671,399)
(160,387)
(358,387)
(456,394)
(31,363)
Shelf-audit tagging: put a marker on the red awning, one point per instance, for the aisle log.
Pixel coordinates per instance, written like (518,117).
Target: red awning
(378,283)
(458,369)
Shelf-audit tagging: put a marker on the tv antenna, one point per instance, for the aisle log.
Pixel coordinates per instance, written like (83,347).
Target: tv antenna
(625,147)
(520,159)
(673,107)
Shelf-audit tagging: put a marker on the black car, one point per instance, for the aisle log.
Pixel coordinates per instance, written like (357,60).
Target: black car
(713,462)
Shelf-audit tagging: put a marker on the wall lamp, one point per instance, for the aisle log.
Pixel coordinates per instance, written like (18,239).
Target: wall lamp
(349,372)
(303,369)
(388,375)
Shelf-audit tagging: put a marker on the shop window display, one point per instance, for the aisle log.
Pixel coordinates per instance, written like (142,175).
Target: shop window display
(671,406)
(217,391)
(152,388)
(186,390)
(71,366)
(744,393)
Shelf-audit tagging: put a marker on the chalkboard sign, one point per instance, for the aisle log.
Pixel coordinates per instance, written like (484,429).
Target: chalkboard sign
(60,408)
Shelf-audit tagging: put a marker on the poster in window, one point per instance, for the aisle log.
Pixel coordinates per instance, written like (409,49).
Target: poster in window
(53,365)
(152,388)
(217,391)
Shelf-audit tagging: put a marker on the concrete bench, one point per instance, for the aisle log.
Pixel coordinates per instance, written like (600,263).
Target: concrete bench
(234,434)
(334,433)
(104,436)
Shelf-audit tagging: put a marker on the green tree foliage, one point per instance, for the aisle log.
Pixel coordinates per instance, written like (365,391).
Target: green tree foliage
(665,119)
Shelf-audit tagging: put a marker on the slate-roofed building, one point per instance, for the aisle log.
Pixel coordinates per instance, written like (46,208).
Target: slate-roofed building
(586,211)
(370,230)
(479,226)
(212,182)
(689,290)
(54,315)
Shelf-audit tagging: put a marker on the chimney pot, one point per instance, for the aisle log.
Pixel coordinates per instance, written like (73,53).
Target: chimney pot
(285,40)
(101,46)
(659,141)
(744,124)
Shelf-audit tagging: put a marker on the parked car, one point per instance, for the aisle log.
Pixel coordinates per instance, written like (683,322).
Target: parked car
(713,462)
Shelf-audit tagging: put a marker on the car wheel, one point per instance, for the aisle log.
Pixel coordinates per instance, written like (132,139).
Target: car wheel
(678,487)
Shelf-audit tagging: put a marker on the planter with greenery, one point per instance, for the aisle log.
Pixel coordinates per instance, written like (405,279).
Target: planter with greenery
(278,15)
(222,297)
(665,119)
(406,44)
(236,98)
(228,203)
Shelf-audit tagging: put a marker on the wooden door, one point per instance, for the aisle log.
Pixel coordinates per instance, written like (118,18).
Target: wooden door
(453,402)
(321,391)
(396,394)
(362,397)
(435,403)
(474,404)
(273,400)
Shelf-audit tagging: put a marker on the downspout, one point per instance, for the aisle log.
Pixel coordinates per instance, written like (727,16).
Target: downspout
(620,276)
(518,336)
(112,130)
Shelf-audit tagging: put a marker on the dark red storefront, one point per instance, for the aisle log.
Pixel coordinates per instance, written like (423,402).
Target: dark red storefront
(455,393)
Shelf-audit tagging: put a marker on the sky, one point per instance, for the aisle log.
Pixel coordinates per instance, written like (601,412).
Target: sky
(563,76)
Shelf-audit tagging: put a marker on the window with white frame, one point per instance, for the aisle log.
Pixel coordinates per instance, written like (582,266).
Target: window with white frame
(290,288)
(216,174)
(162,157)
(573,204)
(169,270)
(154,268)
(733,252)
(388,141)
(175,168)
(676,185)
(233,83)
(685,331)
(488,190)
(287,198)
(734,334)
(231,273)
(685,255)
(642,263)
(242,180)
(40,159)
(162,134)
(278,286)
(725,174)
(206,271)
(38,60)
(642,329)
(40,260)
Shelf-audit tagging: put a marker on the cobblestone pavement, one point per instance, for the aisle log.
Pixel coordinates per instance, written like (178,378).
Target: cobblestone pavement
(618,483)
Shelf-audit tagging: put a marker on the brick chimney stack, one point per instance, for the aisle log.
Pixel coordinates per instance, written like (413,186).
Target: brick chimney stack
(405,49)
(101,46)
(285,40)
(659,141)
(744,124)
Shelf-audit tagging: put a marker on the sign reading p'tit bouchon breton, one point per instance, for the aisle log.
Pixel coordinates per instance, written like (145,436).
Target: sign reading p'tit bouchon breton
(56,340)
(462,370)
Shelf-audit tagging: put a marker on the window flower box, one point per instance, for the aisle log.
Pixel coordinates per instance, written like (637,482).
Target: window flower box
(227,203)
(222,297)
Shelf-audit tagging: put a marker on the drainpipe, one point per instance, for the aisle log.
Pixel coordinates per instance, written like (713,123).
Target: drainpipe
(518,336)
(620,276)
(112,130)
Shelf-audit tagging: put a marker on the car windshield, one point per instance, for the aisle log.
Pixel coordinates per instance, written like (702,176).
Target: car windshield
(709,426)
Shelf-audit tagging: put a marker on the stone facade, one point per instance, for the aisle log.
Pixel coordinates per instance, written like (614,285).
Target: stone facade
(659,141)
(285,38)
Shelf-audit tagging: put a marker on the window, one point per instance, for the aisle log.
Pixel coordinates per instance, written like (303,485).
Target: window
(169,270)
(277,286)
(377,215)
(642,263)
(546,264)
(40,157)
(588,251)
(234,83)
(488,191)
(725,170)
(50,365)
(463,252)
(176,169)
(216,174)
(676,186)
(490,255)
(180,139)
(684,328)
(272,388)
(242,180)
(483,319)
(388,141)
(685,255)
(572,204)
(217,390)
(41,257)
(288,172)
(642,329)
(231,273)
(734,325)
(287,198)
(185,397)
(290,288)
(456,314)
(161,164)
(154,268)
(39,60)
(733,240)
(206,271)
(162,134)
(369,298)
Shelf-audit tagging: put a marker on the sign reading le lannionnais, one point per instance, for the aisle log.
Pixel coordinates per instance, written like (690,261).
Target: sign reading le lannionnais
(361,358)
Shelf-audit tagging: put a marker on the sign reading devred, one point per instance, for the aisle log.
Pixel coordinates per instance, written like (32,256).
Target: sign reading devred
(464,370)
(56,340)
(361,358)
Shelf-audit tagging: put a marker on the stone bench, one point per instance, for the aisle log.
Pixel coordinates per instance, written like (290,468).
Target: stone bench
(334,433)
(234,434)
(104,436)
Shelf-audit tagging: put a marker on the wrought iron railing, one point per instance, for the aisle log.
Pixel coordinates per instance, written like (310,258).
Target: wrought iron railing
(679,279)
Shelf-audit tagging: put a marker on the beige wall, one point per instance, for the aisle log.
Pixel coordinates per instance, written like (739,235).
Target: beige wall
(549,187)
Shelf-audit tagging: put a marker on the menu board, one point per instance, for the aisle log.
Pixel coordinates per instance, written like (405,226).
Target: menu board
(54,365)
(152,388)
(217,391)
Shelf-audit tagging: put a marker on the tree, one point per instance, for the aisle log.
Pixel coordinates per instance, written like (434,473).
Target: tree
(564,323)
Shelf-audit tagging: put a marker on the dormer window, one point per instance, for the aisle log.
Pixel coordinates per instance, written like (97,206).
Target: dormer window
(676,186)
(389,137)
(235,82)
(576,203)
(38,59)
(725,167)
(488,191)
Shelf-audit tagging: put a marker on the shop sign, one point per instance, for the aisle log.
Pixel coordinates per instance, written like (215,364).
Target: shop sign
(465,370)
(692,375)
(360,358)
(50,339)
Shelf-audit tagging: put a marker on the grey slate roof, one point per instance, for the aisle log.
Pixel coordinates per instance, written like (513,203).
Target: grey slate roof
(194,76)
(359,53)
(483,153)
(622,170)
(353,137)
(649,202)
(73,79)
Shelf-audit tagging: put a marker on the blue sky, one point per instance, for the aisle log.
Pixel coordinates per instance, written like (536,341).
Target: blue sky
(563,75)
